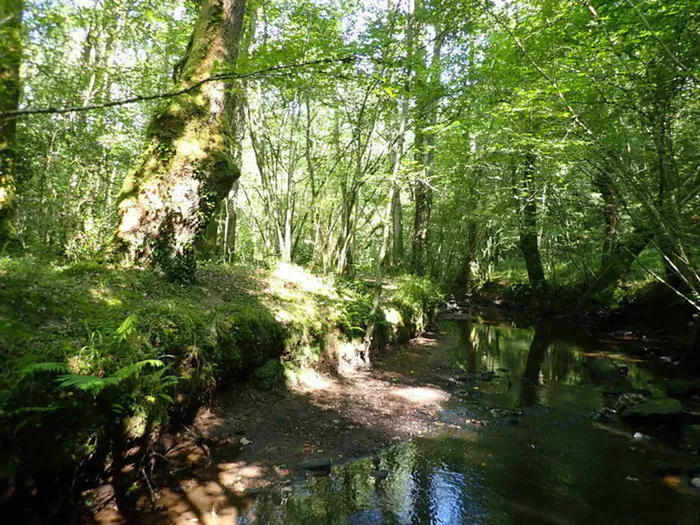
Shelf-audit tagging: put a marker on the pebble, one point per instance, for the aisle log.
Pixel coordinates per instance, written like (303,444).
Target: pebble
(695,482)
(639,436)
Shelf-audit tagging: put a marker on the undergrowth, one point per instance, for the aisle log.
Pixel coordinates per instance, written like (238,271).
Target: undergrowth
(90,351)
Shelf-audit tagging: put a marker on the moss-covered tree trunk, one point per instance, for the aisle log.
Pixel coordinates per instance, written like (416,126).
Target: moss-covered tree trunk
(187,167)
(10,58)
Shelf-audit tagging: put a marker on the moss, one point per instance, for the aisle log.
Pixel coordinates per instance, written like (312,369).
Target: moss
(269,375)
(99,320)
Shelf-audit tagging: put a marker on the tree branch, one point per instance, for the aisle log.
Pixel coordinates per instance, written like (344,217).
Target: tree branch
(176,93)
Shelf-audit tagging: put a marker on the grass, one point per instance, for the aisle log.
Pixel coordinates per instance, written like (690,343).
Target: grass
(86,346)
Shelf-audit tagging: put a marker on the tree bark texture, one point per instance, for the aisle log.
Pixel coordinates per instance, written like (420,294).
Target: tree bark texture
(10,58)
(187,167)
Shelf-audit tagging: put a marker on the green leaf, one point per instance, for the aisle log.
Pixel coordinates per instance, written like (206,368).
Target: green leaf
(47,368)
(135,369)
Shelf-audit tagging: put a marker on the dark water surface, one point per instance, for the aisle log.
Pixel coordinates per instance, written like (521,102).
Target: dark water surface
(541,457)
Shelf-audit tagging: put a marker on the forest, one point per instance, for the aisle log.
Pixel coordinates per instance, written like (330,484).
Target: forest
(307,261)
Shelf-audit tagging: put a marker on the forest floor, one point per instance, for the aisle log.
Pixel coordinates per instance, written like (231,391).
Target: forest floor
(249,439)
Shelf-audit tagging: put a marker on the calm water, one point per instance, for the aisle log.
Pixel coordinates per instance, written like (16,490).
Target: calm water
(552,464)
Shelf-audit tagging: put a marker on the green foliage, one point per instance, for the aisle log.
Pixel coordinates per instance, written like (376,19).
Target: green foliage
(269,375)
(48,368)
(86,345)
(357,307)
(417,298)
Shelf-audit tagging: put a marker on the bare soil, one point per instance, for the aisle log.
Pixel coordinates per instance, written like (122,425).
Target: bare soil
(249,439)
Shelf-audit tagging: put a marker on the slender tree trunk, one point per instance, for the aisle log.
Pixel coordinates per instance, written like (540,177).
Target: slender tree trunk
(187,167)
(678,261)
(286,247)
(386,234)
(10,58)
(422,204)
(465,279)
(228,237)
(428,84)
(345,262)
(528,233)
(379,275)
(397,228)
(611,216)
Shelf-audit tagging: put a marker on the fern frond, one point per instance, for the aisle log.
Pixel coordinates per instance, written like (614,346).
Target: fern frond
(85,383)
(127,327)
(47,368)
(135,369)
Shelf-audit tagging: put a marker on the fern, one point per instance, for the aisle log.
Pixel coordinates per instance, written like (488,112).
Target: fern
(95,384)
(127,327)
(86,383)
(47,368)
(134,370)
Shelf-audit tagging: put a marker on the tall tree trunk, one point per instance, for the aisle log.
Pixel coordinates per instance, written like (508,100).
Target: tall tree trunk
(464,281)
(187,167)
(427,87)
(611,215)
(396,157)
(422,206)
(528,234)
(10,58)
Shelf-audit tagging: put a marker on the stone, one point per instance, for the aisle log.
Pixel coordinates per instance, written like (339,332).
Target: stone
(317,465)
(654,409)
(695,482)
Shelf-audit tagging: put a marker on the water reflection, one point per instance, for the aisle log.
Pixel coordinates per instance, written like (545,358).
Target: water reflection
(531,379)
(555,466)
(536,366)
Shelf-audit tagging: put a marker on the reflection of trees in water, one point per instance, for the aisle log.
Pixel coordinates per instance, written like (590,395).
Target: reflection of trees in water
(397,489)
(454,481)
(536,354)
(398,486)
(386,486)
(541,340)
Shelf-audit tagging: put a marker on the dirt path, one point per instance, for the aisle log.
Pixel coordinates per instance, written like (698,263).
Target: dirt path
(250,440)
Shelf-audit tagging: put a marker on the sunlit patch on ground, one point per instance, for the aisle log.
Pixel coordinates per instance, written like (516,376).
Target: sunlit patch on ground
(105,297)
(421,395)
(422,341)
(309,379)
(231,474)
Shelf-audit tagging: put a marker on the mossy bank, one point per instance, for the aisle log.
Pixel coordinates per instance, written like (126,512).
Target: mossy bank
(95,358)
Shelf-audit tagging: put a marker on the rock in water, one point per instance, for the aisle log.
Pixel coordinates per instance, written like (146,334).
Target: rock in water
(695,482)
(660,409)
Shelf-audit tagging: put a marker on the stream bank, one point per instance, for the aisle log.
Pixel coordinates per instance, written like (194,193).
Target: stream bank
(483,421)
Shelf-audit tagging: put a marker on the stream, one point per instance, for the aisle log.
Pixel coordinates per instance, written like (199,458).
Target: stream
(531,436)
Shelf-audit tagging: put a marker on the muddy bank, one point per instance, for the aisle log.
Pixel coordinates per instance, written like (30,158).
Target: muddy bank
(469,382)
